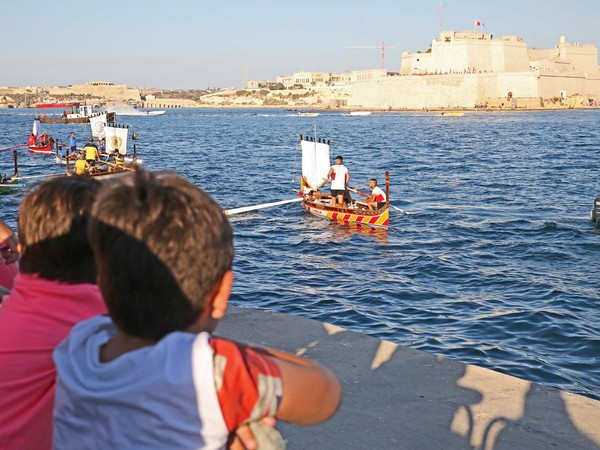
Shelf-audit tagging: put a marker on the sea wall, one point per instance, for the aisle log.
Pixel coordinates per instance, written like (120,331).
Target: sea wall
(465,89)
(400,398)
(441,91)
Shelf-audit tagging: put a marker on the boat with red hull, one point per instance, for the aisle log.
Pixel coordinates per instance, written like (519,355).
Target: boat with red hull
(315,166)
(40,142)
(56,105)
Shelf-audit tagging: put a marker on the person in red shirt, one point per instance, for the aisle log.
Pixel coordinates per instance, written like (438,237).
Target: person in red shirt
(377,199)
(54,290)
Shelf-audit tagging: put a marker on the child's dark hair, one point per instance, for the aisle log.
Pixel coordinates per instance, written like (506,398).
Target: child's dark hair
(52,230)
(161,245)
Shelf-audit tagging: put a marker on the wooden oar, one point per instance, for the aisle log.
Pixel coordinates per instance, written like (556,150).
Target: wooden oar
(114,165)
(230,212)
(365,195)
(358,192)
(14,146)
(32,177)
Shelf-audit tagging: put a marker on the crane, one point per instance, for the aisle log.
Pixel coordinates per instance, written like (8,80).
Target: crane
(382,47)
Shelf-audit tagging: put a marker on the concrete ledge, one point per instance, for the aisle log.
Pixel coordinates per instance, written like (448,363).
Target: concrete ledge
(397,397)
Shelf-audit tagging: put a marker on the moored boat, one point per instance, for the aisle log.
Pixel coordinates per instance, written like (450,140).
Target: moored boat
(315,167)
(78,115)
(56,105)
(40,142)
(453,114)
(359,113)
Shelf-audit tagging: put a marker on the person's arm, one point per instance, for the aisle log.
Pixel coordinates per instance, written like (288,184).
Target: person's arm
(292,389)
(311,393)
(8,244)
(347,177)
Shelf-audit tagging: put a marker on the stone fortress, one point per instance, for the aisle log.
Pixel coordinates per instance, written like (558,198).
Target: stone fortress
(471,69)
(460,70)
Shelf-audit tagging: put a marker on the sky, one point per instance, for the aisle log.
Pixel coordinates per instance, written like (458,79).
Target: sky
(195,44)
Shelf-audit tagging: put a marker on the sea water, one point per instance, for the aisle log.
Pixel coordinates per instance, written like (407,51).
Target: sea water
(495,264)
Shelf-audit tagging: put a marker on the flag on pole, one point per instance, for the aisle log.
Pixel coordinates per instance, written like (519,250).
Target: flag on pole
(116,138)
(477,23)
(97,123)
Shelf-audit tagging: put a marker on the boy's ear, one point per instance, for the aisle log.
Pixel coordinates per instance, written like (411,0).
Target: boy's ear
(220,298)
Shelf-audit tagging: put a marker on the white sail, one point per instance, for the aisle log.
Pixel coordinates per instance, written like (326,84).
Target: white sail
(116,138)
(315,160)
(37,128)
(97,123)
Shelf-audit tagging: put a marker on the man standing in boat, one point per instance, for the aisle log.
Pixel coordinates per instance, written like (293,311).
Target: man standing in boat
(73,142)
(90,152)
(377,199)
(339,176)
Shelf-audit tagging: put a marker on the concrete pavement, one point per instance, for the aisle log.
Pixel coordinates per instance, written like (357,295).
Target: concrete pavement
(400,398)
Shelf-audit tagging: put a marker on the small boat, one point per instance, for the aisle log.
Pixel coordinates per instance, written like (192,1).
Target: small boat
(123,110)
(315,167)
(595,212)
(129,159)
(8,183)
(56,105)
(359,113)
(116,137)
(103,169)
(308,114)
(45,143)
(78,115)
(453,114)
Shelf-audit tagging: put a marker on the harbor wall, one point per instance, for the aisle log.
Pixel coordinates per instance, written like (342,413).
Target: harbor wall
(467,89)
(405,399)
(441,91)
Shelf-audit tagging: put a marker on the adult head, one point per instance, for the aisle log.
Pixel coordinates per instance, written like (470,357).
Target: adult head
(91,140)
(372,183)
(339,160)
(52,230)
(162,247)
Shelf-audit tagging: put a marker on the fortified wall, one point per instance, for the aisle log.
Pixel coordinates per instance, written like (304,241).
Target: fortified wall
(468,69)
(97,89)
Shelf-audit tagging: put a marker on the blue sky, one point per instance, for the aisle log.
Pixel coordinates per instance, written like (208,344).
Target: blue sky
(197,44)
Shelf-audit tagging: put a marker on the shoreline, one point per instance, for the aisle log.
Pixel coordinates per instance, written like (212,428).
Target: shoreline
(347,109)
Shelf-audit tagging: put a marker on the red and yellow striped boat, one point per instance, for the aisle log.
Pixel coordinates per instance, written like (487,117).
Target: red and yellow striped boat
(315,166)
(354,214)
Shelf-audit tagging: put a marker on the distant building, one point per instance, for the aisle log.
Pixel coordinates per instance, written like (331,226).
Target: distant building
(97,89)
(467,69)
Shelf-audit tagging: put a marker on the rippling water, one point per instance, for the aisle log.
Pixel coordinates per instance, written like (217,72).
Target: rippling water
(496,264)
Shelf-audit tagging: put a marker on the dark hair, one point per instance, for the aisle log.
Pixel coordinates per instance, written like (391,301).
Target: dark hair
(339,157)
(52,230)
(161,246)
(375,180)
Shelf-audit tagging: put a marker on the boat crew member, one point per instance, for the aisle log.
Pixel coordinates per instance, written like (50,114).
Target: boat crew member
(91,153)
(377,199)
(339,176)
(31,141)
(43,140)
(119,160)
(81,166)
(73,142)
